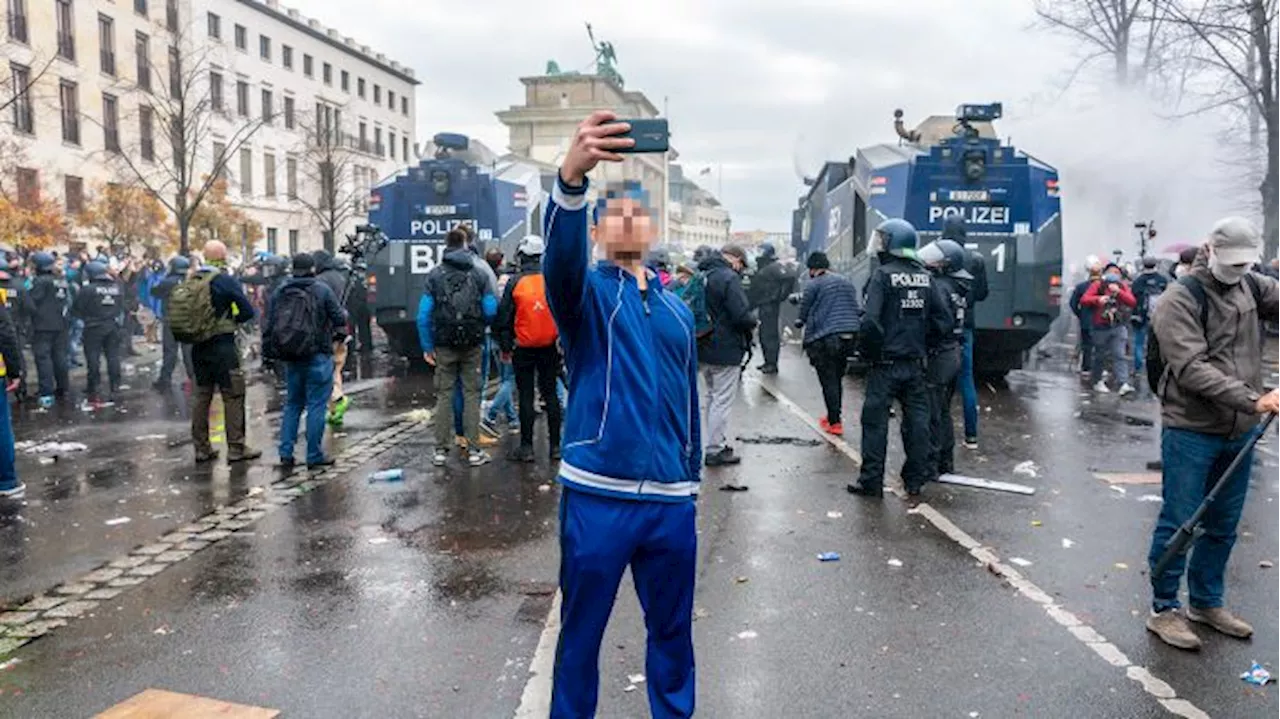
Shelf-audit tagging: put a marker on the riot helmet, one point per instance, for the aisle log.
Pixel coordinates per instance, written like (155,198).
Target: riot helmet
(179,264)
(95,270)
(43,261)
(897,237)
(957,258)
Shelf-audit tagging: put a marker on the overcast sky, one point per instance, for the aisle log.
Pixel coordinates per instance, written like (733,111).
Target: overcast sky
(758,86)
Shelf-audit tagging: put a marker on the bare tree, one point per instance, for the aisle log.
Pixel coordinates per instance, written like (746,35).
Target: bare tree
(18,87)
(1236,44)
(1126,31)
(333,178)
(202,138)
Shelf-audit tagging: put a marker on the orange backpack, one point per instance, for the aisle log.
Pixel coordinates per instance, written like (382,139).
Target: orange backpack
(534,325)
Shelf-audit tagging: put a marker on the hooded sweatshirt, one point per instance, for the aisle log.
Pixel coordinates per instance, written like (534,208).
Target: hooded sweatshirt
(459,259)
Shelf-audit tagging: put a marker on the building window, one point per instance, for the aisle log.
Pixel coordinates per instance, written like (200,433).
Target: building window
(404,147)
(266,107)
(175,72)
(220,160)
(66,30)
(404,105)
(377,94)
(68,96)
(246,171)
(107,45)
(291,177)
(293,242)
(24,120)
(28,186)
(360,87)
(242,38)
(215,90)
(269,174)
(18,20)
(242,98)
(377,141)
(110,123)
(286,57)
(364,137)
(307,68)
(391,100)
(327,73)
(391,144)
(215,27)
(171,15)
(146,131)
(74,188)
(142,49)
(264,47)
(345,79)
(271,240)
(288,112)
(140,7)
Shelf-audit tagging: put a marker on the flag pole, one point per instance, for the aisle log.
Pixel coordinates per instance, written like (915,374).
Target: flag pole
(666,185)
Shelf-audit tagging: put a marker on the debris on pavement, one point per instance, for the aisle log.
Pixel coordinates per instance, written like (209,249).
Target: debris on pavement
(48,460)
(1150,498)
(9,663)
(56,448)
(379,540)
(544,487)
(387,475)
(149,437)
(162,630)
(1027,469)
(1118,489)
(1037,523)
(773,440)
(629,688)
(1120,565)
(833,514)
(117,521)
(635,678)
(1067,543)
(415,415)
(1020,561)
(1266,564)
(741,580)
(1257,675)
(747,634)
(829,557)
(730,487)
(894,562)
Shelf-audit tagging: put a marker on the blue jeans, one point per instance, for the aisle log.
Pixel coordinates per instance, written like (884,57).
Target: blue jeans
(8,458)
(1139,346)
(309,385)
(1192,462)
(968,390)
(502,400)
(1109,342)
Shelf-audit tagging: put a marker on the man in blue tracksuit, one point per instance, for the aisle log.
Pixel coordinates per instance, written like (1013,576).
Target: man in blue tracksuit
(632,445)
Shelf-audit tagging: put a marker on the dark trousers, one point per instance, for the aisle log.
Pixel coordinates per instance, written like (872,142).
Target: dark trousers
(363,322)
(829,357)
(50,349)
(943,370)
(100,340)
(172,348)
(1086,344)
(217,370)
(903,380)
(537,368)
(770,335)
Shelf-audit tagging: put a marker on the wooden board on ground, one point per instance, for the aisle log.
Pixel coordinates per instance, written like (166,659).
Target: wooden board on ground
(1129,477)
(161,704)
(980,483)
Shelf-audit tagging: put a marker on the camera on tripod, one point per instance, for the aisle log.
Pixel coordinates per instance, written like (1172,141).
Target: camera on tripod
(367,241)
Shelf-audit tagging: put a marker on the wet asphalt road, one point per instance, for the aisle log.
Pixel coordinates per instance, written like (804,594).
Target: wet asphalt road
(427,597)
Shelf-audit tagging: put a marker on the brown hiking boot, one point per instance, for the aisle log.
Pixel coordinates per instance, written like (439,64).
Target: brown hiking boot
(1222,620)
(244,454)
(1173,629)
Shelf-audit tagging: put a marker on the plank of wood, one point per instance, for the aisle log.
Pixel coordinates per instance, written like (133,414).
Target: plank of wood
(1129,477)
(161,704)
(980,483)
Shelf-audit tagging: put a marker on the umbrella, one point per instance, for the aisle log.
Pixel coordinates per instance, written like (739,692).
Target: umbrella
(1177,248)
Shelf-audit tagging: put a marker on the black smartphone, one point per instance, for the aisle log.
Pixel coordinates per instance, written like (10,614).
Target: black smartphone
(651,135)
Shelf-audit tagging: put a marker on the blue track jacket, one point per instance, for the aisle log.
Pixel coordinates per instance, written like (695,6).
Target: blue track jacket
(632,426)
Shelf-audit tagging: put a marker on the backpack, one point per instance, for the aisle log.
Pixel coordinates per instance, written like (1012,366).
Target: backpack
(458,318)
(535,327)
(1155,362)
(295,331)
(694,295)
(191,316)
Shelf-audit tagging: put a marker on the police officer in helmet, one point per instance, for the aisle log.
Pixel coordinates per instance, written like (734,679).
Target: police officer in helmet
(46,306)
(904,319)
(946,259)
(100,304)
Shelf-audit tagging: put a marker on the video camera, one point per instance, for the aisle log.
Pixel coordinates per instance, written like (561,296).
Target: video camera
(367,241)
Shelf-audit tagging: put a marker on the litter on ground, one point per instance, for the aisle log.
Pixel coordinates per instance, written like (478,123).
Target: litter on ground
(117,521)
(1020,561)
(1027,468)
(894,562)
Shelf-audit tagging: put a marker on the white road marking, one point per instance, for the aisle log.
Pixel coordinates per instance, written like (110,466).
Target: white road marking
(535,702)
(1087,635)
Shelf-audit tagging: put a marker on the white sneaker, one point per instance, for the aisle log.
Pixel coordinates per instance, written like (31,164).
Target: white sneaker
(442,456)
(15,493)
(478,457)
(1125,389)
(1101,388)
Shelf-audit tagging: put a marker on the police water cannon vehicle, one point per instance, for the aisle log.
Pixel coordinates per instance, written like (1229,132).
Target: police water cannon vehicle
(951,173)
(453,186)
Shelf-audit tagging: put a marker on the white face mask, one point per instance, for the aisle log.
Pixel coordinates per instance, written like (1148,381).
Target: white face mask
(1227,274)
